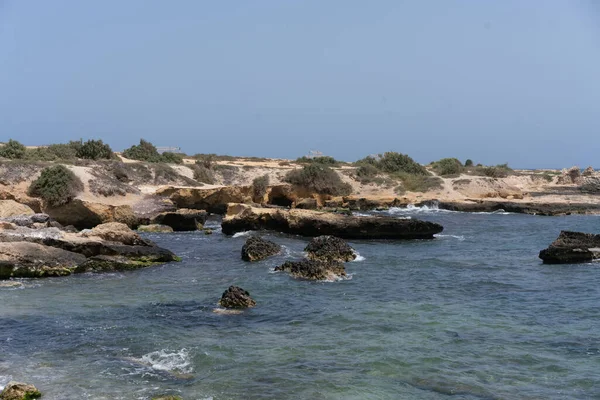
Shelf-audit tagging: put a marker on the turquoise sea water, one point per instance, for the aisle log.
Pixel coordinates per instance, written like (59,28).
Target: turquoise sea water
(472,314)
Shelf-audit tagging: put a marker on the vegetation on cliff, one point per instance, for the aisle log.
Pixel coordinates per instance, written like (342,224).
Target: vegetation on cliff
(56,185)
(320,179)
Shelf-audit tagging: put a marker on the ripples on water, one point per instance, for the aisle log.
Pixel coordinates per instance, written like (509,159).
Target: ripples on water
(472,314)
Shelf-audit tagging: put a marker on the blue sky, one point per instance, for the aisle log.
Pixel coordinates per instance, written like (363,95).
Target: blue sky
(496,81)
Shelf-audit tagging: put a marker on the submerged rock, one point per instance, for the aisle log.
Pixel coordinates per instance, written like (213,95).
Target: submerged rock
(257,248)
(313,269)
(236,297)
(241,217)
(19,391)
(329,248)
(155,228)
(572,247)
(182,220)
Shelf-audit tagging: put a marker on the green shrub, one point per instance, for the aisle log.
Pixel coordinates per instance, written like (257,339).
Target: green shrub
(320,179)
(172,158)
(260,185)
(393,162)
(325,160)
(469,163)
(95,150)
(202,174)
(448,166)
(13,150)
(205,160)
(145,151)
(56,185)
(418,183)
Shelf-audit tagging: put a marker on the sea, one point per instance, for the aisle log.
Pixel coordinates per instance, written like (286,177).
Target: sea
(471,314)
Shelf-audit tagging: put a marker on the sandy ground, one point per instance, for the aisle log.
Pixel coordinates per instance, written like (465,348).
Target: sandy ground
(528,186)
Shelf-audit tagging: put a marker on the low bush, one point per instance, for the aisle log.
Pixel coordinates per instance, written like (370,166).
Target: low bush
(469,163)
(94,150)
(320,179)
(171,158)
(145,151)
(499,171)
(447,166)
(325,160)
(260,185)
(418,183)
(392,162)
(202,174)
(13,150)
(56,185)
(205,160)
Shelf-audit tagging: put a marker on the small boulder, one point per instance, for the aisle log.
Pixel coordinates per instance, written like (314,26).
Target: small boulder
(155,228)
(115,232)
(30,220)
(7,225)
(256,249)
(10,208)
(329,248)
(19,391)
(184,219)
(236,297)
(313,269)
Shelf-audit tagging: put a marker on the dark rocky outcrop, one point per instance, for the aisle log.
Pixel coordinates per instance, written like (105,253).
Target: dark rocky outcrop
(236,297)
(572,247)
(545,209)
(26,252)
(313,269)
(19,391)
(329,248)
(182,220)
(30,220)
(591,184)
(241,217)
(257,248)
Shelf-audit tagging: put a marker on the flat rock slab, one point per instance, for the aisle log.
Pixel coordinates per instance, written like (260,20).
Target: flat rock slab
(241,217)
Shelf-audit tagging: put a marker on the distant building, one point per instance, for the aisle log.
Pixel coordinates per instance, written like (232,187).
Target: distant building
(168,149)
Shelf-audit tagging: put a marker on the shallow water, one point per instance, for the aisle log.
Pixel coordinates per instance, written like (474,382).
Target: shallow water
(472,314)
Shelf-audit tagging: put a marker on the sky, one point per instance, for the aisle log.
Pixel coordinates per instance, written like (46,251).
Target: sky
(494,81)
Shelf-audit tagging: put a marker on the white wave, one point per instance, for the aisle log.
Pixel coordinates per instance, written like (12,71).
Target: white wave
(337,278)
(359,214)
(459,237)
(163,360)
(412,209)
(358,258)
(241,234)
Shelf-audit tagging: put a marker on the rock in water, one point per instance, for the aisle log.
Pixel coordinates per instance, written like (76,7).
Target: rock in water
(182,220)
(236,297)
(572,247)
(19,391)
(115,232)
(256,249)
(155,228)
(313,269)
(241,217)
(329,248)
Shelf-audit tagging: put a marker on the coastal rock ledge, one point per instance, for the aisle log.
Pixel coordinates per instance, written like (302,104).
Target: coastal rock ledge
(44,252)
(241,217)
(572,247)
